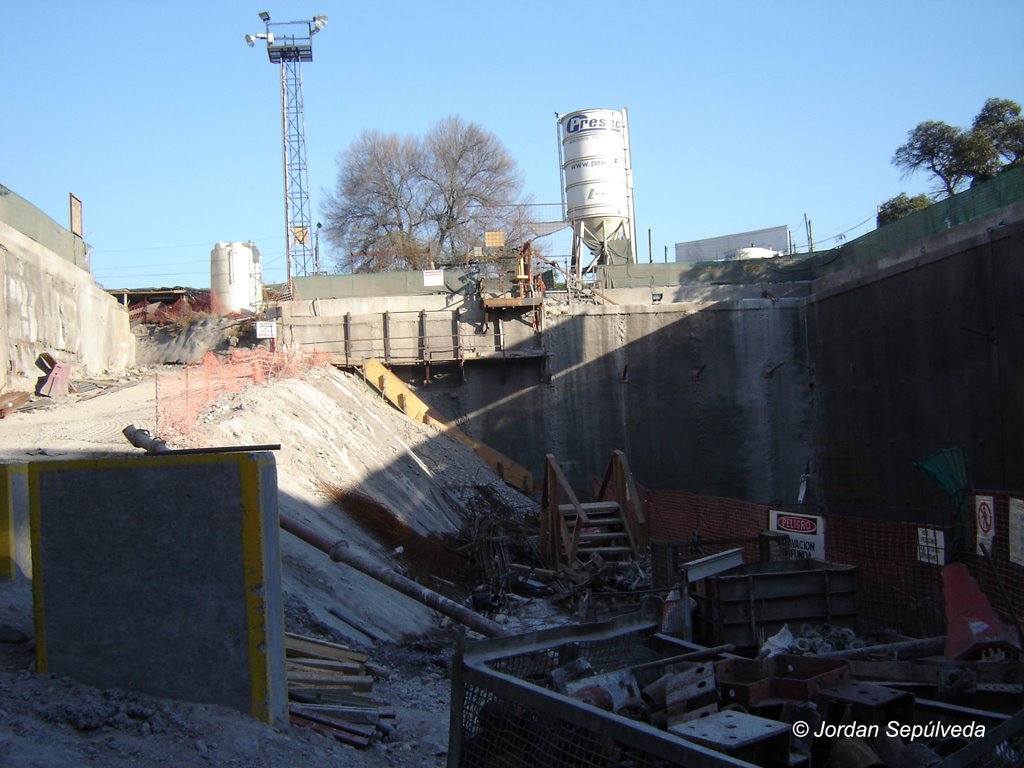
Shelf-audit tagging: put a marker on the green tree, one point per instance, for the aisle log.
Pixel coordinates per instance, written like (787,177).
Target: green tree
(900,206)
(956,157)
(411,203)
(936,147)
(1001,123)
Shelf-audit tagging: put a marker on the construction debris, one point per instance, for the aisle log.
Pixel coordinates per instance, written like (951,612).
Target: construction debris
(57,379)
(13,401)
(329,690)
(786,710)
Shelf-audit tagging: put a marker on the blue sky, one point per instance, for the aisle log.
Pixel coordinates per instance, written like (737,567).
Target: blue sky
(742,114)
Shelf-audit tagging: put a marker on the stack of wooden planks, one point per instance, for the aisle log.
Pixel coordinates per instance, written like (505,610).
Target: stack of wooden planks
(330,688)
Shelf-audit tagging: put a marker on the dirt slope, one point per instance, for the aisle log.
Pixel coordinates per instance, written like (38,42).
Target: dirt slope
(331,429)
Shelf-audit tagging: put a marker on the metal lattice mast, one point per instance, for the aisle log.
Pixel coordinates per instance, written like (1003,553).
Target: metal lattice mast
(290,49)
(301,256)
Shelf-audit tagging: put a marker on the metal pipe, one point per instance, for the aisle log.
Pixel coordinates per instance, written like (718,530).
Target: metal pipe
(907,649)
(339,551)
(141,438)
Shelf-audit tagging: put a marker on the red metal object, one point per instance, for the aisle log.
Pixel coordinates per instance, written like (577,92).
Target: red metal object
(57,381)
(971,624)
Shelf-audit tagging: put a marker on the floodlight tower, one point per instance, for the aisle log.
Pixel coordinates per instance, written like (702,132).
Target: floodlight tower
(289,43)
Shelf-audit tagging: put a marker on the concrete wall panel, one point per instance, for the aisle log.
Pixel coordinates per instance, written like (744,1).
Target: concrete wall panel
(161,574)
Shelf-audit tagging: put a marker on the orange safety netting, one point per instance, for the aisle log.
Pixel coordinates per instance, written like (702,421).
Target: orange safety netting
(897,588)
(183,396)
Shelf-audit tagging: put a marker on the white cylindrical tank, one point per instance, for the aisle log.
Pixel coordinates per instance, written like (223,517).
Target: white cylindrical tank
(236,277)
(595,164)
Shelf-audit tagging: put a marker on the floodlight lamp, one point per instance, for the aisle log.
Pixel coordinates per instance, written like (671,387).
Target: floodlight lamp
(250,40)
(319,22)
(270,38)
(264,16)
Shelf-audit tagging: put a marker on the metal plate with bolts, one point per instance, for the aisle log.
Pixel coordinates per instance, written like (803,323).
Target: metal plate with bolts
(866,703)
(748,737)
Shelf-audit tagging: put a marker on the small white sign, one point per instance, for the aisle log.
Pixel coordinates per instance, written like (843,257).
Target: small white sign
(1017,531)
(985,518)
(433,278)
(806,533)
(266,329)
(931,546)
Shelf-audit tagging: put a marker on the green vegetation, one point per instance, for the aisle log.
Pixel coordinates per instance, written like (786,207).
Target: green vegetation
(958,157)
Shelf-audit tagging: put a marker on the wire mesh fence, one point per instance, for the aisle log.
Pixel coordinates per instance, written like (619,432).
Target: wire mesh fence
(506,713)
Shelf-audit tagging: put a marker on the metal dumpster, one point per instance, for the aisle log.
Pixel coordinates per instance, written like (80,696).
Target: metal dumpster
(505,715)
(747,604)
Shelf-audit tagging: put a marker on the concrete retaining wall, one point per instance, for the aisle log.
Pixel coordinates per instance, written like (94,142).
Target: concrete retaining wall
(696,399)
(48,304)
(916,352)
(879,366)
(162,574)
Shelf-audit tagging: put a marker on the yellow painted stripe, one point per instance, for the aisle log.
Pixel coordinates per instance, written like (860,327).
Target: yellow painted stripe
(255,585)
(403,398)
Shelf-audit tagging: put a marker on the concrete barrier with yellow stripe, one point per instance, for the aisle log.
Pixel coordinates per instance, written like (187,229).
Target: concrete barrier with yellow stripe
(162,574)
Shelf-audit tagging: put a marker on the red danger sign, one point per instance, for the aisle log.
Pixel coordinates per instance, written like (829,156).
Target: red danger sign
(796,524)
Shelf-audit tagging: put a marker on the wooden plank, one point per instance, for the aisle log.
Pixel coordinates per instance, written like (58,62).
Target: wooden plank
(592,506)
(325,717)
(353,740)
(322,677)
(297,664)
(300,645)
(366,714)
(332,694)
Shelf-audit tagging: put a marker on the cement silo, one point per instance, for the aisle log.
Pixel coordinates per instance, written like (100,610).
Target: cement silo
(236,277)
(597,184)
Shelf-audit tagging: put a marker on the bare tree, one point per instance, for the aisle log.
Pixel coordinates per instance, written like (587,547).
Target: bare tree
(468,177)
(377,212)
(408,203)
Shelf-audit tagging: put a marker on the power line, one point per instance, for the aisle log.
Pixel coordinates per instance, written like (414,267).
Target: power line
(836,236)
(206,244)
